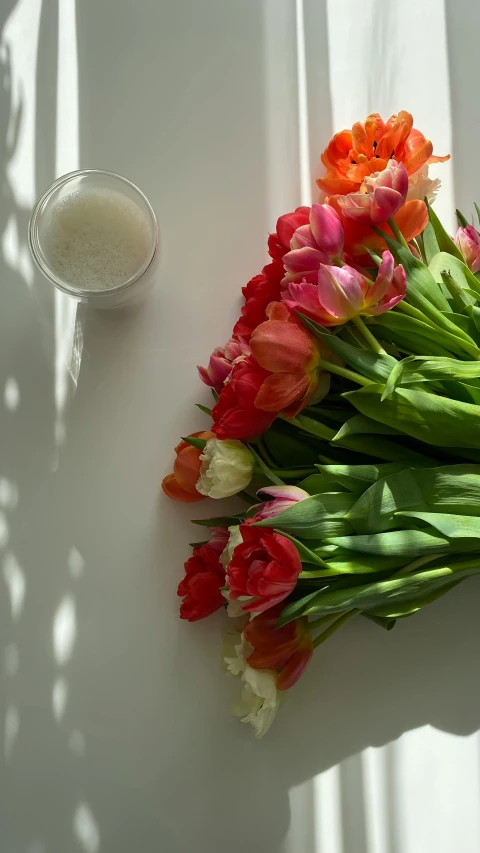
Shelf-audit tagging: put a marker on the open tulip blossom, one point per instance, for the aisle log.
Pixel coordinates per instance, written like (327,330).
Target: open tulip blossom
(344,422)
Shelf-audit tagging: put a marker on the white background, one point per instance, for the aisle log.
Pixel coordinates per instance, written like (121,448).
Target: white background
(116,731)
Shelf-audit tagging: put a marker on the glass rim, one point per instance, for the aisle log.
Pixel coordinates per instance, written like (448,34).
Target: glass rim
(39,257)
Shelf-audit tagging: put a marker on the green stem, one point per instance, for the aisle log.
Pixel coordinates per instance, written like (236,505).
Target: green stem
(322,620)
(472,350)
(294,472)
(343,371)
(366,333)
(415,564)
(414,312)
(333,627)
(262,449)
(398,234)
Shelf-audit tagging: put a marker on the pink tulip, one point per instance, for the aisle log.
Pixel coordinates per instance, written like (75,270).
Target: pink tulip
(468,241)
(382,194)
(221,361)
(283,498)
(320,242)
(342,293)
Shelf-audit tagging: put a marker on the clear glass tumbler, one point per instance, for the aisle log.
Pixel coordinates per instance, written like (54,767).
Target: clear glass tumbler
(108,291)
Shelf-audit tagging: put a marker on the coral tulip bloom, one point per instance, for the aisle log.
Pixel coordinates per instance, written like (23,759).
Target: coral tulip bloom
(292,356)
(287,650)
(182,484)
(352,155)
(411,219)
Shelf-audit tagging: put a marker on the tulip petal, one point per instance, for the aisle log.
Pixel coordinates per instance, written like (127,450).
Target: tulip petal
(327,229)
(292,493)
(280,390)
(302,260)
(173,490)
(357,206)
(304,296)
(294,669)
(386,201)
(340,291)
(412,218)
(303,237)
(383,281)
(281,347)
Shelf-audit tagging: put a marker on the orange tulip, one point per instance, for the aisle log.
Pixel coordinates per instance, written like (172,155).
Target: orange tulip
(411,219)
(352,155)
(182,484)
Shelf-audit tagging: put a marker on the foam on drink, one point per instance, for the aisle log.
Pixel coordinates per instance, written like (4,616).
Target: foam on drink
(96,238)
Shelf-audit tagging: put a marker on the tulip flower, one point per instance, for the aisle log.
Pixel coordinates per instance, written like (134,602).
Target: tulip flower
(182,484)
(468,241)
(287,650)
(204,578)
(342,293)
(221,361)
(260,291)
(260,699)
(227,468)
(284,497)
(354,154)
(264,568)
(236,415)
(381,195)
(320,242)
(292,356)
(279,243)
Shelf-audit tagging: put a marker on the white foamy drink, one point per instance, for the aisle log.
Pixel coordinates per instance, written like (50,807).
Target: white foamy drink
(96,239)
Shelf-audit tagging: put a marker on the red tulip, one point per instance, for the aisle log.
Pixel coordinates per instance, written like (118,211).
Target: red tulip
(259,292)
(264,568)
(236,415)
(204,578)
(181,485)
(287,650)
(279,243)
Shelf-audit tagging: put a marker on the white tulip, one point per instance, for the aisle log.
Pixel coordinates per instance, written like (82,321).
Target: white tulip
(227,468)
(260,699)
(234,540)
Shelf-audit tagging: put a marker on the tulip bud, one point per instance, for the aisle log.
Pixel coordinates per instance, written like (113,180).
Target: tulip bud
(468,241)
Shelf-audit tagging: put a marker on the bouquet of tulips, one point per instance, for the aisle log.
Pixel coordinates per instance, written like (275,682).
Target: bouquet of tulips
(346,418)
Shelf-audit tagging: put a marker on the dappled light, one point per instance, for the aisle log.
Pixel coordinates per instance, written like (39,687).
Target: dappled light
(59,699)
(85,829)
(64,630)
(11,394)
(76,563)
(14,578)
(11,730)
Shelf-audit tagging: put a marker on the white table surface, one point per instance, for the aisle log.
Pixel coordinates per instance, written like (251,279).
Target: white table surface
(116,731)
